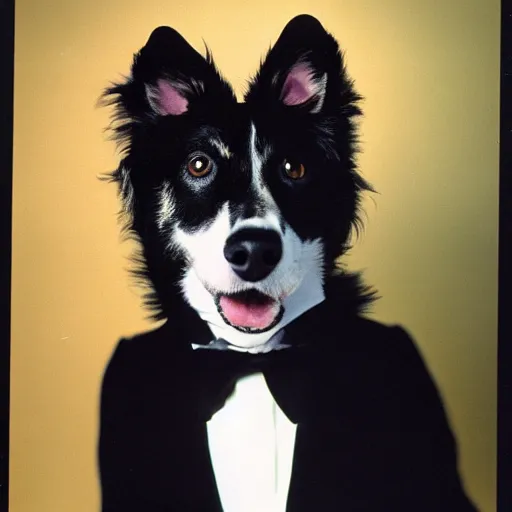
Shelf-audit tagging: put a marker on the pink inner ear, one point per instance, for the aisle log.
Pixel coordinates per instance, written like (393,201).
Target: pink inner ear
(299,85)
(170,100)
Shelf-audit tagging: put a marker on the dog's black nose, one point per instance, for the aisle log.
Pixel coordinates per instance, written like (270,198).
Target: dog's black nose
(253,253)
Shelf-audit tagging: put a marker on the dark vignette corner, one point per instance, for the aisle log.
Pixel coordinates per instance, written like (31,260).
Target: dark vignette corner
(505,269)
(6,120)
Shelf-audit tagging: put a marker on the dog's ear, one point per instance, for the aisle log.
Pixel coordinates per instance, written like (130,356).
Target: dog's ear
(168,77)
(303,69)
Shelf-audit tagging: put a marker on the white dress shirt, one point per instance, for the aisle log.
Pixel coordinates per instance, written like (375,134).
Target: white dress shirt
(251,444)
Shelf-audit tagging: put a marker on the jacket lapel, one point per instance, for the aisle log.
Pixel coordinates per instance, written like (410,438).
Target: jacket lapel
(174,444)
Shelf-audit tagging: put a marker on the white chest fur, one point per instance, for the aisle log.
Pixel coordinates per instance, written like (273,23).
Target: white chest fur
(251,445)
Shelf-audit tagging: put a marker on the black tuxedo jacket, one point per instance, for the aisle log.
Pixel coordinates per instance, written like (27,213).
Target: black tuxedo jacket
(374,435)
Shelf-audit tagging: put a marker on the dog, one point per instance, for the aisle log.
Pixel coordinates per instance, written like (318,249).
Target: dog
(242,211)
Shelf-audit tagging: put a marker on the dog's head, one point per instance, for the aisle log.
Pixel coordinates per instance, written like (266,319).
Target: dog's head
(239,204)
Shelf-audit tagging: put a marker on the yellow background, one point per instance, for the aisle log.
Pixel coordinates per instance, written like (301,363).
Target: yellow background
(429,71)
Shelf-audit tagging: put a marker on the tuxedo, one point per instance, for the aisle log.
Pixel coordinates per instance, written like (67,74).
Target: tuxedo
(372,433)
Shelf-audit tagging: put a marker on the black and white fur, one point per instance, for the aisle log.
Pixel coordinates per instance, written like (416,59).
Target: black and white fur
(299,108)
(369,431)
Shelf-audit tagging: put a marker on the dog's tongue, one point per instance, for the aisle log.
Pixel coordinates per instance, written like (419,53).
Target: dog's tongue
(255,315)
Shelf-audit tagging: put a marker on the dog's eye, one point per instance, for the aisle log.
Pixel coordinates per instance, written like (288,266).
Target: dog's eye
(199,165)
(294,170)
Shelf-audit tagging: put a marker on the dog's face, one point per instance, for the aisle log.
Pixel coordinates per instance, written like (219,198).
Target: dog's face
(251,200)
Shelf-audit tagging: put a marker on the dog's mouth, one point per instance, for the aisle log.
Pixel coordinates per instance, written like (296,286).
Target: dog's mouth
(250,311)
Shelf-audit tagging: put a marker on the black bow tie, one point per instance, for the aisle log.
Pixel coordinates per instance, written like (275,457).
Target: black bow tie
(217,371)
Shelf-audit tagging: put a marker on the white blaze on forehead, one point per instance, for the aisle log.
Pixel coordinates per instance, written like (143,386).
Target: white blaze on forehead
(257,162)
(256,158)
(166,205)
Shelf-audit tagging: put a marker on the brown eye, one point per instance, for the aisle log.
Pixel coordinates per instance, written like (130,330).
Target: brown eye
(294,170)
(199,166)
